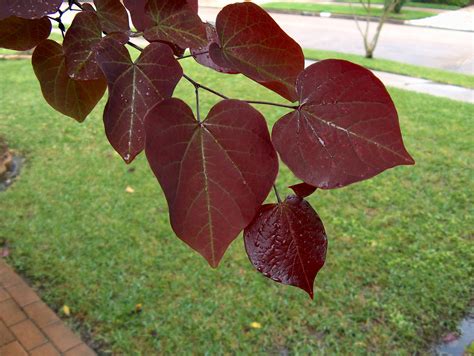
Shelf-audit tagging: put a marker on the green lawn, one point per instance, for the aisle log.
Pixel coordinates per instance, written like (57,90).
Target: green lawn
(399,269)
(407,4)
(437,75)
(344,10)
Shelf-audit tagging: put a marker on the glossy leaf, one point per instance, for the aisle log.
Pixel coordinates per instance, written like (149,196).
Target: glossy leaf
(28,9)
(202,56)
(113,15)
(71,97)
(79,46)
(215,175)
(22,34)
(346,129)
(287,243)
(253,44)
(134,88)
(176,22)
(303,190)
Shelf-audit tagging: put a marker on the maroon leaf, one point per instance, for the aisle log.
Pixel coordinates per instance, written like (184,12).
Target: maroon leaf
(345,130)
(71,97)
(193,4)
(215,174)
(79,46)
(28,9)
(287,243)
(303,189)
(140,19)
(253,44)
(175,22)
(113,15)
(202,56)
(134,88)
(23,34)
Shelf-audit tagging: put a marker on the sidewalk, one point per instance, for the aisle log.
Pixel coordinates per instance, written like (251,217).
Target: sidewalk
(30,327)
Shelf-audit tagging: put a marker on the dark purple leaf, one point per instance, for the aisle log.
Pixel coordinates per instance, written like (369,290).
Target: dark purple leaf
(176,22)
(287,243)
(22,34)
(112,15)
(137,12)
(79,46)
(215,175)
(202,56)
(253,44)
(346,129)
(303,189)
(28,9)
(71,97)
(134,88)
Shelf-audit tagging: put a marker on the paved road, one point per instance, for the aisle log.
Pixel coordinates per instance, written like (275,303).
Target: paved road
(445,49)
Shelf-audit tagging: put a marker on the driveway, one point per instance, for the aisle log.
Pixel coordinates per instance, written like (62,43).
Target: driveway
(438,48)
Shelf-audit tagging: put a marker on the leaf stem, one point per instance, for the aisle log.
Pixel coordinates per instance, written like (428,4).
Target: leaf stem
(277,194)
(272,104)
(192,55)
(198,114)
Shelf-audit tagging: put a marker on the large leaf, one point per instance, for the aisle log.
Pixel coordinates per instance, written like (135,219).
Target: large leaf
(113,15)
(134,88)
(22,34)
(287,243)
(176,22)
(202,55)
(215,174)
(79,46)
(253,44)
(71,97)
(345,130)
(28,9)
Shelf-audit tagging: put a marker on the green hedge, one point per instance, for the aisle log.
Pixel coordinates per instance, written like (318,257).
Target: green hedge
(460,3)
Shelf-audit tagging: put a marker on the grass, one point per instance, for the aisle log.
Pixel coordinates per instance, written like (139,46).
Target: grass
(386,65)
(407,4)
(344,10)
(400,264)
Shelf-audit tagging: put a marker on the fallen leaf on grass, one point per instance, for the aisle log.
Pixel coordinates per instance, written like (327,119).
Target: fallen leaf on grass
(66,310)
(255,325)
(129,190)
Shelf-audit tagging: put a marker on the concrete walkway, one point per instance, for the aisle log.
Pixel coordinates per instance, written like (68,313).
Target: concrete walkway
(28,326)
(460,20)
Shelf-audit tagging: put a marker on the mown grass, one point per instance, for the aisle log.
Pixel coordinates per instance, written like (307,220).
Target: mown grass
(399,269)
(344,10)
(407,4)
(386,65)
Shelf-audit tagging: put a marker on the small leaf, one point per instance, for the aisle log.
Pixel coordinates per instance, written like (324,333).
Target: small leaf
(176,22)
(255,325)
(71,97)
(79,47)
(129,190)
(215,174)
(66,310)
(28,9)
(134,88)
(138,308)
(303,189)
(202,56)
(21,34)
(253,44)
(287,243)
(113,15)
(345,130)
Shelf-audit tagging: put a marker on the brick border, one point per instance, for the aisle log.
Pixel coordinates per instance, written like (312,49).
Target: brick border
(28,326)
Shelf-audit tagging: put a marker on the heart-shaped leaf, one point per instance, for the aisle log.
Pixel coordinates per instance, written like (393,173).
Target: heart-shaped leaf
(140,19)
(79,46)
(202,56)
(112,15)
(287,243)
(253,44)
(22,34)
(28,9)
(345,130)
(134,88)
(71,97)
(303,190)
(176,22)
(215,174)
